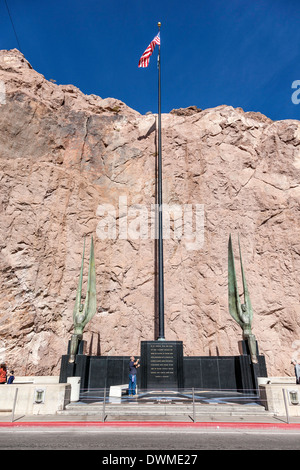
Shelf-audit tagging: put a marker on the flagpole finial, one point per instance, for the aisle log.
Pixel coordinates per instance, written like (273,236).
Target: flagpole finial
(159,24)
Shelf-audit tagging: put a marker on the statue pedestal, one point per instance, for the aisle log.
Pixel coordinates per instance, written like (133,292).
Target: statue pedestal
(249,371)
(244,348)
(81,347)
(78,368)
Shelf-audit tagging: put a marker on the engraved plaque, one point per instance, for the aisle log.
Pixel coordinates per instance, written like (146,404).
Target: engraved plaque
(162,364)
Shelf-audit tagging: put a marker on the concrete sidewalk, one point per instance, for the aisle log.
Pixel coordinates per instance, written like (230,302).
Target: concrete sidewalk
(209,421)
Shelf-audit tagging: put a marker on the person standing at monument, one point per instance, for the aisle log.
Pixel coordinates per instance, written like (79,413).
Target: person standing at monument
(297,370)
(133,366)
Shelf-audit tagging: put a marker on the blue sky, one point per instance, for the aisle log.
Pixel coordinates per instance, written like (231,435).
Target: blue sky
(243,53)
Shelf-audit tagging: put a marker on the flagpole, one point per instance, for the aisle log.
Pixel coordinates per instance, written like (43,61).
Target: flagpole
(161,329)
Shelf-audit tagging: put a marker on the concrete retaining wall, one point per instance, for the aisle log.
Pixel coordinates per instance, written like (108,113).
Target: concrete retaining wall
(281,398)
(34,398)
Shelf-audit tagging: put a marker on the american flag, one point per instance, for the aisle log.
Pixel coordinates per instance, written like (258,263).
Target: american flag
(144,60)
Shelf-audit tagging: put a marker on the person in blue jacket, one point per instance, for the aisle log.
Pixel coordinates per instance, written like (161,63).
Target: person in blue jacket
(133,366)
(11,377)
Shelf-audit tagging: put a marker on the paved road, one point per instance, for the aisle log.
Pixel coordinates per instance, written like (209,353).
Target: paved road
(148,439)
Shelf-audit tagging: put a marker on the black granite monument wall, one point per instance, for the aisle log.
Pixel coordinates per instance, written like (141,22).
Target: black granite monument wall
(97,371)
(223,372)
(163,367)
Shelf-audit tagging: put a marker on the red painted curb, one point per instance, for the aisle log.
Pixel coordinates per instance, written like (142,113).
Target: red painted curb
(151,424)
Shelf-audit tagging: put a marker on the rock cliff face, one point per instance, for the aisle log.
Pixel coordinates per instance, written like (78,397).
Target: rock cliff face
(74,165)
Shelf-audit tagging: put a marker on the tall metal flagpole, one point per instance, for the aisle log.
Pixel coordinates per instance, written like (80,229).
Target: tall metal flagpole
(161,329)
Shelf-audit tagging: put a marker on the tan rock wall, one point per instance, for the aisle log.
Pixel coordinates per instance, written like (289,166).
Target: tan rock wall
(64,155)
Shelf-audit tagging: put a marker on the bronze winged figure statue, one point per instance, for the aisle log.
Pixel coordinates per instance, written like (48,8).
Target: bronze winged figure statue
(242,313)
(83,313)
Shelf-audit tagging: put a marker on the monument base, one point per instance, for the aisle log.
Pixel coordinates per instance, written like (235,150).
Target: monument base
(164,367)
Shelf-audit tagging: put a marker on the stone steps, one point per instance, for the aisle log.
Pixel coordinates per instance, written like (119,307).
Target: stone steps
(137,409)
